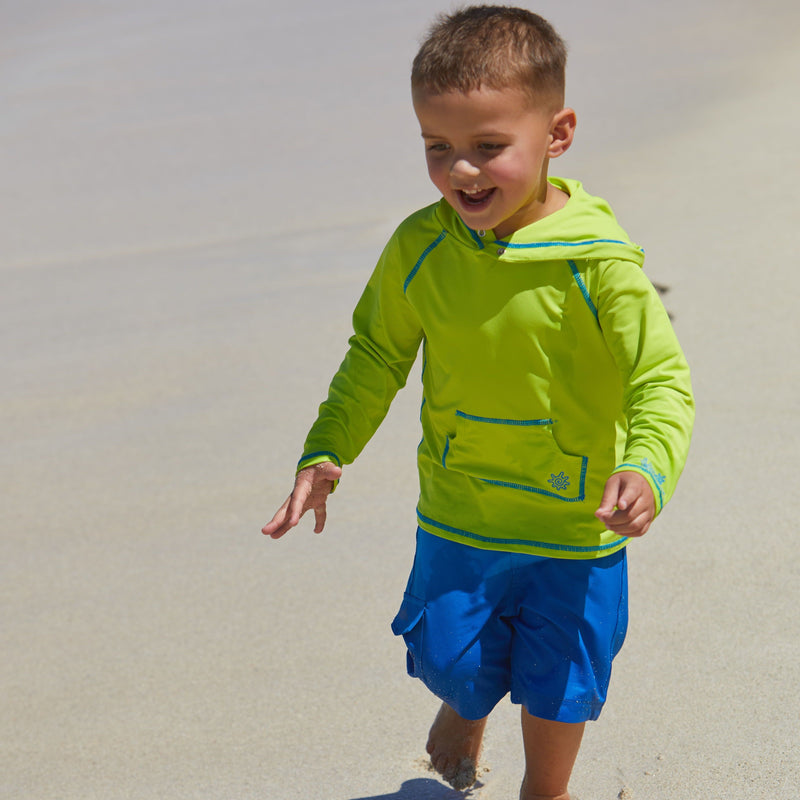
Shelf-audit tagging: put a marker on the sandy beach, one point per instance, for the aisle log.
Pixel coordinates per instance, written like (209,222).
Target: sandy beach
(193,196)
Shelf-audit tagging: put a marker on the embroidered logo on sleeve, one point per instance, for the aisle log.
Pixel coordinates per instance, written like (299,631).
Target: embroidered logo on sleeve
(650,469)
(559,482)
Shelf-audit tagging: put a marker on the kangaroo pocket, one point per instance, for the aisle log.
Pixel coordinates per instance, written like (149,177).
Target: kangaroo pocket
(519,454)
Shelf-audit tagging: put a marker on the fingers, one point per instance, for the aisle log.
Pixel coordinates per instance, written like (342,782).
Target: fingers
(298,500)
(327,470)
(288,515)
(281,522)
(627,506)
(320,516)
(311,489)
(609,499)
(626,524)
(630,494)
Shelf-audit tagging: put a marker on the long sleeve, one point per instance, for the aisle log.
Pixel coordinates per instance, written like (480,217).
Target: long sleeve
(382,350)
(658,402)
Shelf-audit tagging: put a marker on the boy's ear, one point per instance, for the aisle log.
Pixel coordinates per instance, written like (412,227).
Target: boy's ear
(562,132)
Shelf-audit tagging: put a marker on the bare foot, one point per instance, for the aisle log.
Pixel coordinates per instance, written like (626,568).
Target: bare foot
(454,744)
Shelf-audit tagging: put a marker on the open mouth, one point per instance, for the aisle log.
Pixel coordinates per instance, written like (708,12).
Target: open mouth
(475,198)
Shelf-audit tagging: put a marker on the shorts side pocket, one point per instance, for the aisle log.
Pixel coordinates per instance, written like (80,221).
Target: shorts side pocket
(622,610)
(409,624)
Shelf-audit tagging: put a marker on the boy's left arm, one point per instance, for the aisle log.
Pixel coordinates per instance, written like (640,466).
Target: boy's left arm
(658,401)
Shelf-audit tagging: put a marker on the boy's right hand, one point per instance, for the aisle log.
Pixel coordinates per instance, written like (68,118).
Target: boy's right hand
(311,489)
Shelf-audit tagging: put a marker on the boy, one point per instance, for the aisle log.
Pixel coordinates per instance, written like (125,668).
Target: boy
(556,411)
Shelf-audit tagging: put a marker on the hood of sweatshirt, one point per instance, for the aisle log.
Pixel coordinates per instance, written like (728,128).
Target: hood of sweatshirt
(585,228)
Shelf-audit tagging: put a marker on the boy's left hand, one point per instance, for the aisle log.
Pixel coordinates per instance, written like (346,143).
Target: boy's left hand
(628,506)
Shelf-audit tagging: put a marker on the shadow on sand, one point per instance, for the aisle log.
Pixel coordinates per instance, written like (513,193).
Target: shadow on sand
(424,789)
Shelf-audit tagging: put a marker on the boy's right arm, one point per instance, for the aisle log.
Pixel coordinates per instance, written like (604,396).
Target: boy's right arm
(386,337)
(311,489)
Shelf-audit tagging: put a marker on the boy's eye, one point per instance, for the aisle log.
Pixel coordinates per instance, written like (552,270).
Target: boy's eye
(491,147)
(437,147)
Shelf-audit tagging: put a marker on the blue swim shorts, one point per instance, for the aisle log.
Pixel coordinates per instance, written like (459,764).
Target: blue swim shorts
(481,623)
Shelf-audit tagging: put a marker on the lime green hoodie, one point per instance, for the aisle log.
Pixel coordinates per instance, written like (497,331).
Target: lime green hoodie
(549,363)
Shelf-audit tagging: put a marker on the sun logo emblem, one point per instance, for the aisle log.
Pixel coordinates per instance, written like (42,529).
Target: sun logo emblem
(559,482)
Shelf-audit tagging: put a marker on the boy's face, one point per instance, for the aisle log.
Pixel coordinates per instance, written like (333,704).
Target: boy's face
(488,152)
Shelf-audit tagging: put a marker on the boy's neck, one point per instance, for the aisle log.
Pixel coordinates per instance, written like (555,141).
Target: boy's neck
(554,200)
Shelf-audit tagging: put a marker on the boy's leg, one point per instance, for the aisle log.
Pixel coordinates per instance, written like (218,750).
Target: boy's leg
(458,645)
(550,752)
(454,744)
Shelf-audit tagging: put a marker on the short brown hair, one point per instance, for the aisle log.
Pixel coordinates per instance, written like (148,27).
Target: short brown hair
(496,47)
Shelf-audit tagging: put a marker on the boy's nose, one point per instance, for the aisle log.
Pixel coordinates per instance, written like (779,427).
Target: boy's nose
(462,168)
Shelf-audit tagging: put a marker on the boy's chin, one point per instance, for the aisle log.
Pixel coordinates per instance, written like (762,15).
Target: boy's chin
(477,222)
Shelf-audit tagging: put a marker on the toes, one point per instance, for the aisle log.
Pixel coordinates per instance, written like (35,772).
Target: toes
(441,763)
(464,775)
(448,770)
(459,773)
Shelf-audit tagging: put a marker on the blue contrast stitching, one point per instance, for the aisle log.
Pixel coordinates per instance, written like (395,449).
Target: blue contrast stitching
(446,451)
(496,421)
(582,286)
(435,243)
(320,453)
(564,548)
(534,490)
(520,246)
(477,238)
